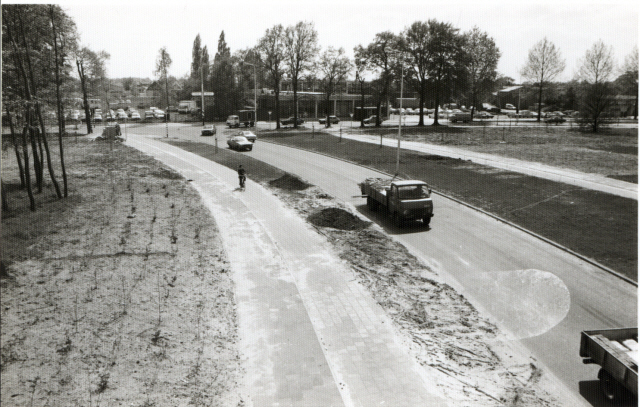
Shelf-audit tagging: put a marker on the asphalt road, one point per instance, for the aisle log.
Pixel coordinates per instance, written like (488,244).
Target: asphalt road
(542,296)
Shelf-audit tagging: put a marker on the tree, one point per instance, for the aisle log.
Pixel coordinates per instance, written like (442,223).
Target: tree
(334,66)
(594,73)
(629,77)
(415,54)
(222,80)
(196,55)
(543,64)
(378,56)
(163,62)
(272,51)
(446,61)
(483,56)
(301,47)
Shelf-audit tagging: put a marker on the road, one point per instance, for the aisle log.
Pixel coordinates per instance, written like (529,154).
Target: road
(541,295)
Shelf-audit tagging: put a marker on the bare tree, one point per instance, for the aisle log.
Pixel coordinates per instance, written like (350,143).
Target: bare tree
(483,59)
(301,48)
(630,76)
(595,72)
(334,66)
(272,50)
(543,65)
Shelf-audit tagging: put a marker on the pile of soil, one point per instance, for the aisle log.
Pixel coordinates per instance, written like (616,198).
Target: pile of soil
(289,182)
(338,219)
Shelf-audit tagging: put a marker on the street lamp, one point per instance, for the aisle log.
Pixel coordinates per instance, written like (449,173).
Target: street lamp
(360,79)
(202,85)
(255,85)
(269,119)
(399,114)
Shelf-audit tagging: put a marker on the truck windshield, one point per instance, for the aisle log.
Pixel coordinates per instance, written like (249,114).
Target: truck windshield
(413,192)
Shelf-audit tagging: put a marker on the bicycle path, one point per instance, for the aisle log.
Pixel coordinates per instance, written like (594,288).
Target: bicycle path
(590,181)
(310,334)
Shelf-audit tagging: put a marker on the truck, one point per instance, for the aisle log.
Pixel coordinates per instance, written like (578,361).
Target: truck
(616,352)
(187,106)
(403,200)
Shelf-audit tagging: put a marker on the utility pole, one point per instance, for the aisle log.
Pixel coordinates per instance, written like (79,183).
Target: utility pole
(202,87)
(255,92)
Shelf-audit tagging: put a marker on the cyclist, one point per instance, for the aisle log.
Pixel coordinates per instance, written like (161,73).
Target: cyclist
(242,175)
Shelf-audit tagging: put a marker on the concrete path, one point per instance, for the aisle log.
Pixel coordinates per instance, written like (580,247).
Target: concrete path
(590,181)
(310,334)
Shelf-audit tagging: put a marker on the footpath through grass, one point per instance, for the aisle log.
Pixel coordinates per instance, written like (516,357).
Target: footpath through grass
(600,226)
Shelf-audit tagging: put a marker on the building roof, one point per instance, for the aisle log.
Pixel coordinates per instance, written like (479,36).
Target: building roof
(510,89)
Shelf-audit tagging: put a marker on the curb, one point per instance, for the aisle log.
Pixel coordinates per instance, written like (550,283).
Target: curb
(527,231)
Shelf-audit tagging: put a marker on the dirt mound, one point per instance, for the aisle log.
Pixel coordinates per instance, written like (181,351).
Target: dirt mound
(289,182)
(338,219)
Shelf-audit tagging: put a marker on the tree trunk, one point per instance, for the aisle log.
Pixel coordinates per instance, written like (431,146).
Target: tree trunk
(295,103)
(436,112)
(15,147)
(422,86)
(27,175)
(540,101)
(61,125)
(36,158)
(46,147)
(277,92)
(378,109)
(85,99)
(5,201)
(362,104)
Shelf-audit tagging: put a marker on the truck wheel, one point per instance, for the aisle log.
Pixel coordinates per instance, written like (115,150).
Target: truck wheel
(612,390)
(397,220)
(370,203)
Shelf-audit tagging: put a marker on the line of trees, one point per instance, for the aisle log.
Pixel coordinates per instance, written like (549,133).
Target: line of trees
(43,64)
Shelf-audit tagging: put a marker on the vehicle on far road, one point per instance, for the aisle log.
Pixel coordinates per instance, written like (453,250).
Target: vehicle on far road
(332,119)
(401,199)
(616,352)
(555,119)
(490,108)
(370,120)
(208,130)
(249,135)
(509,106)
(239,143)
(459,116)
(482,115)
(289,121)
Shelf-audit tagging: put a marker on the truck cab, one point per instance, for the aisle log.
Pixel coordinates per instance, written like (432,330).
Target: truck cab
(410,200)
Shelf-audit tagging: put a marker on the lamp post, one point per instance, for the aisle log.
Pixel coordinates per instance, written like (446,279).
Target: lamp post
(255,86)
(269,119)
(400,118)
(360,79)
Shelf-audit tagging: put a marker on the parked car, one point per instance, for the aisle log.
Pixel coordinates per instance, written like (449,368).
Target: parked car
(332,119)
(158,114)
(482,115)
(490,108)
(249,135)
(148,114)
(135,115)
(121,115)
(524,114)
(97,117)
(509,106)
(289,121)
(208,130)
(239,143)
(555,119)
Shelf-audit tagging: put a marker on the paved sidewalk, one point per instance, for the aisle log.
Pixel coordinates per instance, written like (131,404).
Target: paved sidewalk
(310,334)
(590,181)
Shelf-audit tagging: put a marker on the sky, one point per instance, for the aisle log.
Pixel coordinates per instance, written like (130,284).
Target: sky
(133,32)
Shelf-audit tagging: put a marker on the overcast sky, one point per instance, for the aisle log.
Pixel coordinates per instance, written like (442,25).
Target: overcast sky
(132,32)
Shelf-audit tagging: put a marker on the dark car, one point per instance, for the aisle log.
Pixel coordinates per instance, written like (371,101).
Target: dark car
(240,143)
(332,119)
(555,119)
(208,130)
(289,121)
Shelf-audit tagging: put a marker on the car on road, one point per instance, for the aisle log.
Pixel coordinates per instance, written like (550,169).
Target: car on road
(509,106)
(239,143)
(249,135)
(332,119)
(490,108)
(233,121)
(555,119)
(208,130)
(289,121)
(370,120)
(482,115)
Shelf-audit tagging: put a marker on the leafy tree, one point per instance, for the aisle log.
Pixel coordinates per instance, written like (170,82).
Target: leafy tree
(301,47)
(378,56)
(543,64)
(447,60)
(594,73)
(334,66)
(196,55)
(222,80)
(415,46)
(483,56)
(272,50)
